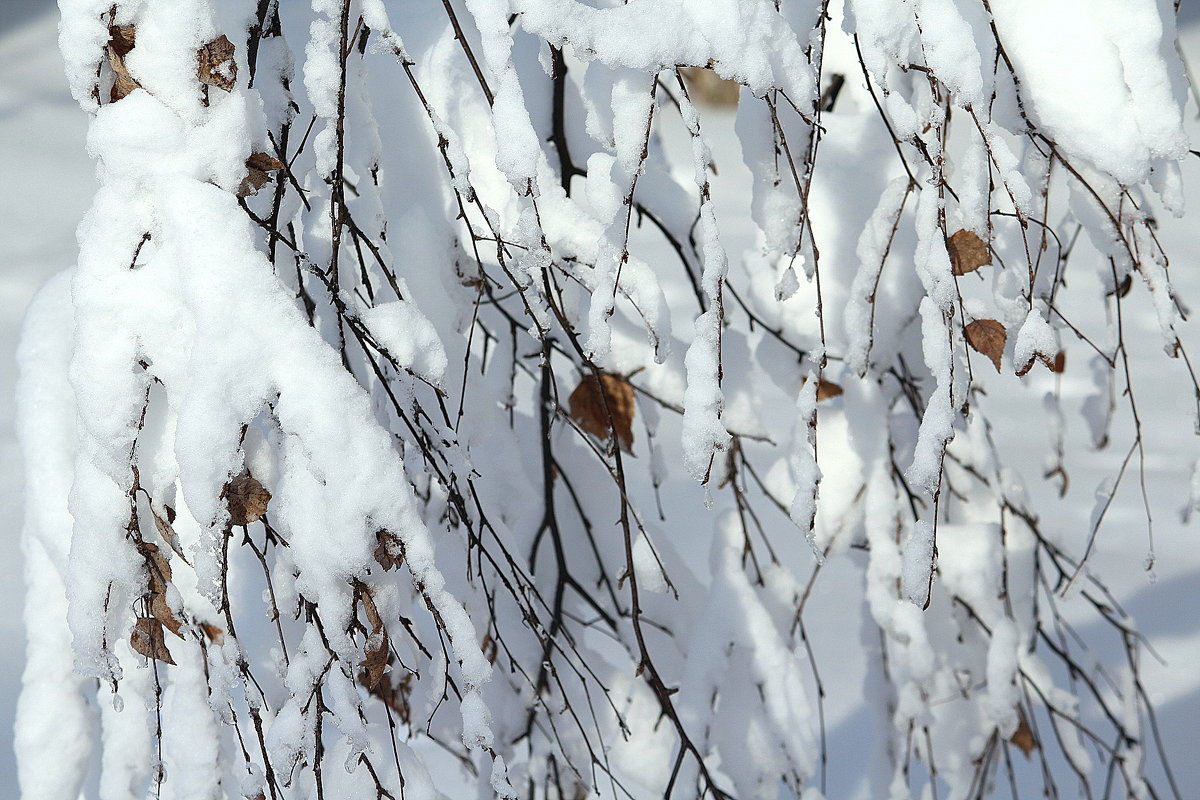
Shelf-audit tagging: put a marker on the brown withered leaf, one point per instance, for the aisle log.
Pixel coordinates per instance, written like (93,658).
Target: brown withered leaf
(257,168)
(158,570)
(1023,738)
(378,652)
(215,65)
(394,697)
(372,612)
(375,665)
(710,88)
(827,390)
(1050,362)
(987,336)
(490,648)
(122,39)
(215,635)
(157,566)
(388,543)
(163,613)
(591,405)
(147,639)
(247,499)
(264,162)
(122,87)
(967,252)
(1060,362)
(167,531)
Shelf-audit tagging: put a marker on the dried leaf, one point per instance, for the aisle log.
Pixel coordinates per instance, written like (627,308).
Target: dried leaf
(215,65)
(708,87)
(827,389)
(395,698)
(122,39)
(490,648)
(1049,361)
(389,544)
(967,252)
(987,336)
(214,634)
(255,179)
(157,566)
(372,612)
(147,639)
(247,499)
(1023,738)
(163,613)
(1060,362)
(379,655)
(265,162)
(377,650)
(122,87)
(257,167)
(158,570)
(591,407)
(167,532)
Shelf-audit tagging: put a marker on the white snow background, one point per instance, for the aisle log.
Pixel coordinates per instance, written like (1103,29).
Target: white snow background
(46,183)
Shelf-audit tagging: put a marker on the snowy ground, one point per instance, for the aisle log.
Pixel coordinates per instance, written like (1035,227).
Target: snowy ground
(48,183)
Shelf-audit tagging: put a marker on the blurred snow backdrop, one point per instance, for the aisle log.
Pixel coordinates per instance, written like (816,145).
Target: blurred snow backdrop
(46,183)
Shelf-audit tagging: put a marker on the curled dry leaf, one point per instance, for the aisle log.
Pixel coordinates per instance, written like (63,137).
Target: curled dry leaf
(379,655)
(163,613)
(121,40)
(1051,362)
(394,697)
(167,531)
(257,168)
(372,612)
(159,571)
(147,638)
(1023,738)
(157,566)
(389,552)
(710,88)
(247,499)
(215,65)
(827,390)
(591,406)
(215,635)
(378,652)
(987,336)
(967,252)
(489,648)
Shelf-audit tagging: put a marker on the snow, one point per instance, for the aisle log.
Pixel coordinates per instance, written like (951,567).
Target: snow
(1122,82)
(198,296)
(746,40)
(408,337)
(1035,336)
